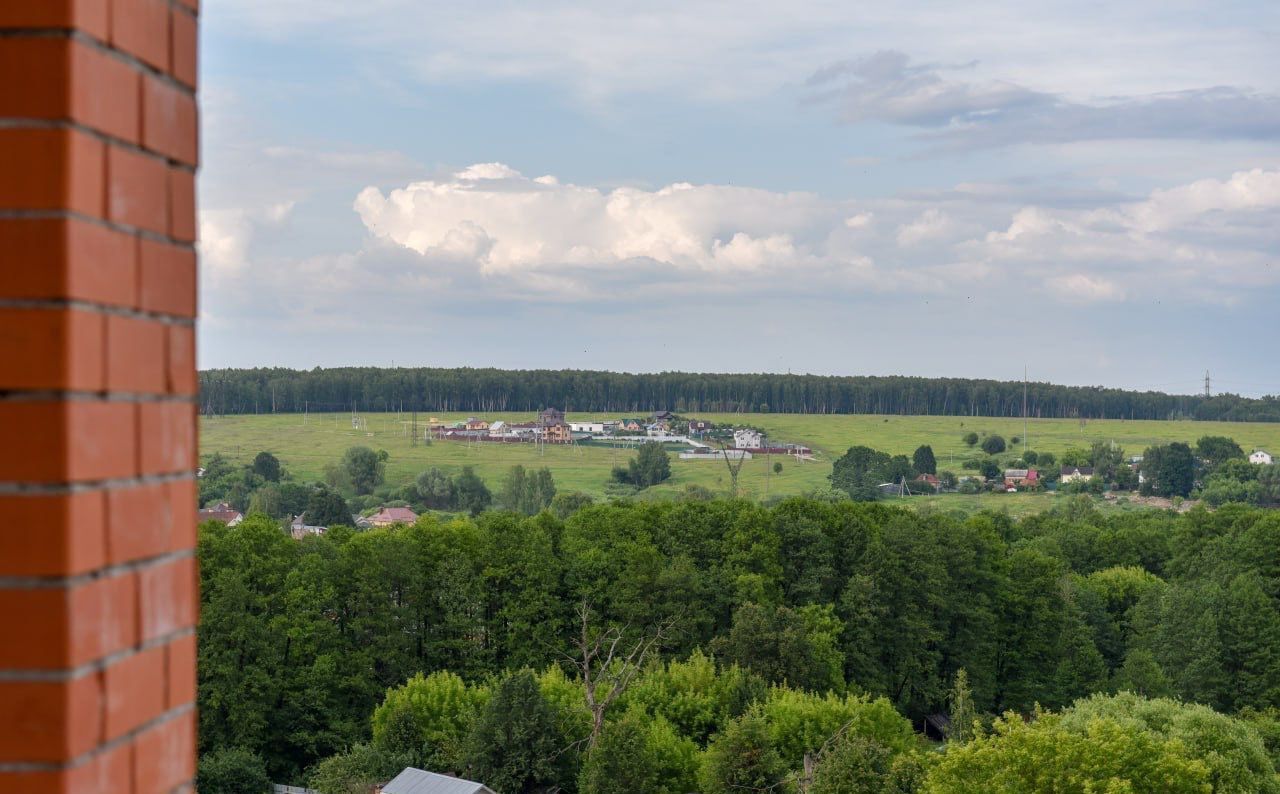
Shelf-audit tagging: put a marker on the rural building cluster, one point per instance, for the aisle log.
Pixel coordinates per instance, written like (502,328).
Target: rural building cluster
(701,438)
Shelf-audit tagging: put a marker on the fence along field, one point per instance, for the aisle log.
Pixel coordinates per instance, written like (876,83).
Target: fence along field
(306,444)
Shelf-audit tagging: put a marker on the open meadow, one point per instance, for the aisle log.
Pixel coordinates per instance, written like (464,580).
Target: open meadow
(305,445)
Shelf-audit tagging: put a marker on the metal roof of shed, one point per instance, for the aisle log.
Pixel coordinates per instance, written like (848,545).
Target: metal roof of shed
(418,781)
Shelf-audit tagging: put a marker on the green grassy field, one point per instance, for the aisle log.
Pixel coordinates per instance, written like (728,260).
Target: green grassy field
(306,447)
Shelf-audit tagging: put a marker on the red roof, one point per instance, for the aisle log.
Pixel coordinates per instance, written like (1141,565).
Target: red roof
(225,515)
(394,515)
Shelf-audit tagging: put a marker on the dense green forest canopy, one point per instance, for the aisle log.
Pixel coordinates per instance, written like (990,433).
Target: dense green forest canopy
(790,607)
(240,391)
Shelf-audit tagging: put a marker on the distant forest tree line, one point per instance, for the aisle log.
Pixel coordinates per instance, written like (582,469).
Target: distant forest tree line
(279,390)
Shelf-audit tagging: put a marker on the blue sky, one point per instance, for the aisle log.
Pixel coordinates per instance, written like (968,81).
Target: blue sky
(1089,189)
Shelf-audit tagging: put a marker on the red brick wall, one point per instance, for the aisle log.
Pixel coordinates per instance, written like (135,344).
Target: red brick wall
(98,148)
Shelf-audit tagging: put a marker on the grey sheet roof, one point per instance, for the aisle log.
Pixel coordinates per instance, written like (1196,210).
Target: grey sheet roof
(417,781)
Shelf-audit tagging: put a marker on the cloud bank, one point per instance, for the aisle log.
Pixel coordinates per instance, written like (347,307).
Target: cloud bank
(488,224)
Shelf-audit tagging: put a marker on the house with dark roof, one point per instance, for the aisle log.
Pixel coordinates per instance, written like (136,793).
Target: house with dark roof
(299,528)
(550,417)
(220,512)
(419,781)
(1021,478)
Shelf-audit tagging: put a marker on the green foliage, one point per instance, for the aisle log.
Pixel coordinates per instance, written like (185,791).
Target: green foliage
(802,722)
(861,469)
(566,504)
(1043,755)
(1217,450)
(516,746)
(473,495)
(300,640)
(232,770)
(777,467)
(650,466)
(993,444)
(961,711)
(970,439)
(922,460)
(742,759)
(621,762)
(326,508)
(267,501)
(267,466)
(527,493)
(1075,456)
(355,771)
(853,764)
(1231,750)
(1170,469)
(428,719)
(695,696)
(800,646)
(989,469)
(360,470)
(436,490)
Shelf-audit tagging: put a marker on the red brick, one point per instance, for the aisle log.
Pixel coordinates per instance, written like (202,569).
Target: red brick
(137,360)
(165,756)
(183,61)
(194,5)
(108,772)
(51,349)
(167,282)
(49,721)
(134,691)
(183,498)
(182,671)
(63,628)
(52,535)
(89,16)
(67,441)
(182,205)
(61,79)
(167,597)
(169,120)
(140,522)
(50,169)
(182,359)
(136,190)
(141,28)
(167,437)
(68,258)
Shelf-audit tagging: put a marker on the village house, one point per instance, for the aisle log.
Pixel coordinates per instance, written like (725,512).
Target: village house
(594,428)
(392,515)
(699,426)
(557,434)
(1261,457)
(928,479)
(299,528)
(1021,478)
(498,428)
(476,424)
(631,425)
(1075,473)
(220,512)
(746,438)
(550,416)
(663,416)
